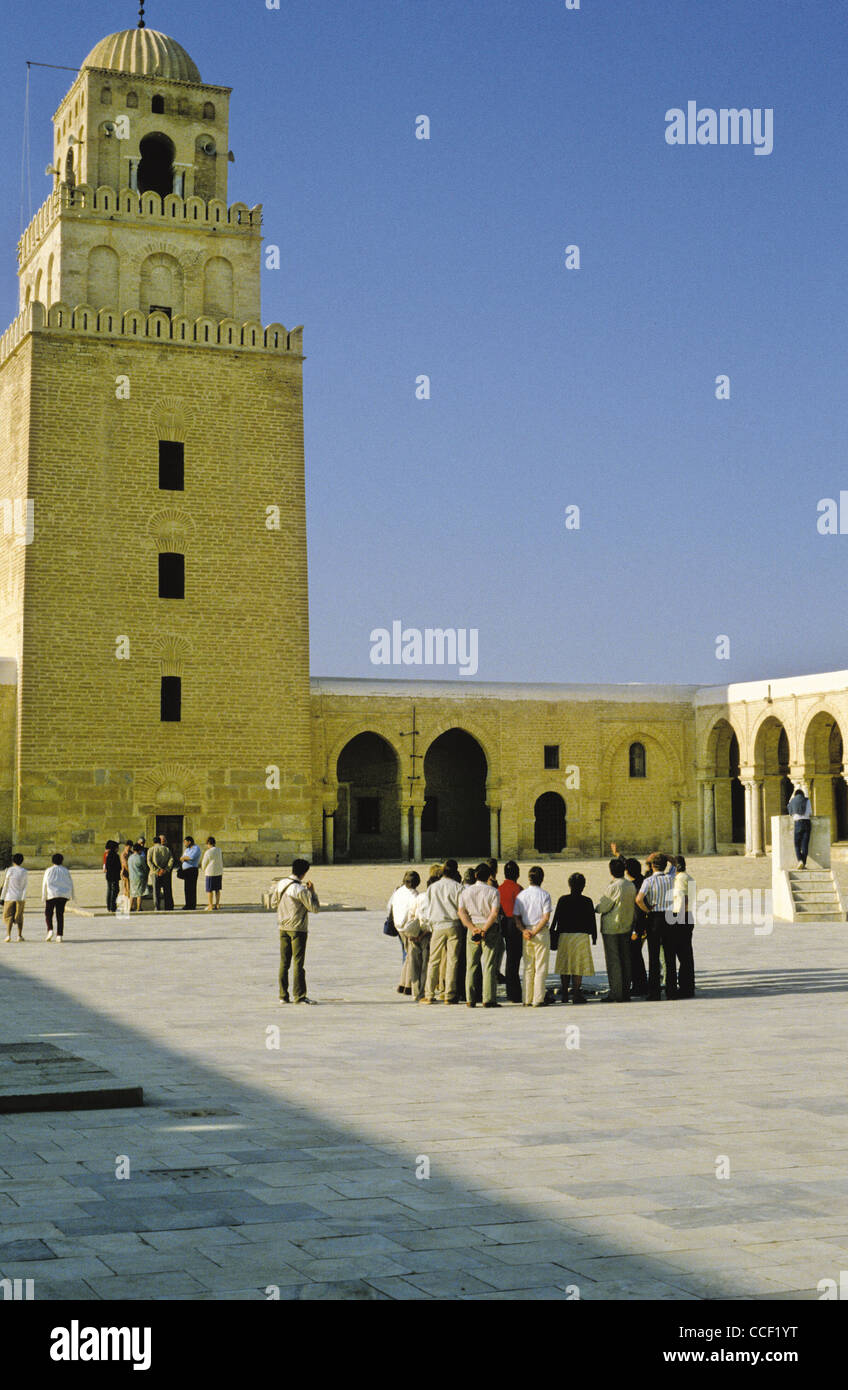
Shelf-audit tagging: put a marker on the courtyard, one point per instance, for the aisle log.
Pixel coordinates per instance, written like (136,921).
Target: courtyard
(371,1149)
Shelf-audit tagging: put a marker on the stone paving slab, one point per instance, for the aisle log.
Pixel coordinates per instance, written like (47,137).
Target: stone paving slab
(290,1157)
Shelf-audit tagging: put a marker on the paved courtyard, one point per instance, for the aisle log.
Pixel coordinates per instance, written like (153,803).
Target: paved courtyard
(287,1148)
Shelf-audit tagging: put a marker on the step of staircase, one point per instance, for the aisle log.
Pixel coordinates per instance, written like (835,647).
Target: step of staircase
(815,896)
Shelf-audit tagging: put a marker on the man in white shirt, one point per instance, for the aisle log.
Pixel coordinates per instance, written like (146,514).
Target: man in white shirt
(57,887)
(401,909)
(443,916)
(14,895)
(533,909)
(479,908)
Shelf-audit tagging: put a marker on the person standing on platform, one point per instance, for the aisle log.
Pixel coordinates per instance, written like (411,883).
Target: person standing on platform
(160,862)
(479,908)
(801,811)
(533,908)
(294,899)
(190,861)
(57,887)
(13,894)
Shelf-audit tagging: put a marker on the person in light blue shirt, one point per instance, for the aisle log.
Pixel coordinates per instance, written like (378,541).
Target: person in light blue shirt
(190,863)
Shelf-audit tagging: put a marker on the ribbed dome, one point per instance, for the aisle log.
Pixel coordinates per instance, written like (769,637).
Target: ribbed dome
(146,52)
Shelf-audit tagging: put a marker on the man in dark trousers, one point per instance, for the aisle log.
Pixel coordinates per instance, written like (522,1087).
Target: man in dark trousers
(161,864)
(514,939)
(656,897)
(294,899)
(190,862)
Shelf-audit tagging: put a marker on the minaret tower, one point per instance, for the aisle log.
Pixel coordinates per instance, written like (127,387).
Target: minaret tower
(152,444)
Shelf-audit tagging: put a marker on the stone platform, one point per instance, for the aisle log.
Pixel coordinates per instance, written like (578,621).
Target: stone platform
(40,1076)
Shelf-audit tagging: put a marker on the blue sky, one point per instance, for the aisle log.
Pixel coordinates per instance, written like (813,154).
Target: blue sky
(549,387)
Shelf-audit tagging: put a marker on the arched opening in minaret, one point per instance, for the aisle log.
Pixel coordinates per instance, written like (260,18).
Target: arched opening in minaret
(69,168)
(156,170)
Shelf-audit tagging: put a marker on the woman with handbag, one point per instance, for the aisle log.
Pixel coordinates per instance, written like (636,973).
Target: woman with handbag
(400,912)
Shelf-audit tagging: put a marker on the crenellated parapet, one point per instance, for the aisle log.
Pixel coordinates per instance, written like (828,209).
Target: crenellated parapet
(128,205)
(156,326)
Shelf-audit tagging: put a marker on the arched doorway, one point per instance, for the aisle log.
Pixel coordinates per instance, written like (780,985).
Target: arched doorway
(550,834)
(723,762)
(368,814)
(737,795)
(455,819)
(771,761)
(823,754)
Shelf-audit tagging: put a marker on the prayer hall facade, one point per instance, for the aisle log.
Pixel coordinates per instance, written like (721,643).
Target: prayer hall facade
(154,649)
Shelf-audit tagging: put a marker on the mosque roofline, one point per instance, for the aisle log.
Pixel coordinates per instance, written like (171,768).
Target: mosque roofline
(143,77)
(502,690)
(828,682)
(623,692)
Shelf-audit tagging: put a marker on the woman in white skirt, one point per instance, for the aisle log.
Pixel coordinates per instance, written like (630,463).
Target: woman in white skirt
(574,924)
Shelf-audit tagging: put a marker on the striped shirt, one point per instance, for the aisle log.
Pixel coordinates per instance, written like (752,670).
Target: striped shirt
(658,891)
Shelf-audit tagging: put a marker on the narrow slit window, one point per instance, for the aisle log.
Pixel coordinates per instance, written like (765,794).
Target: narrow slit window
(171,699)
(171,465)
(171,575)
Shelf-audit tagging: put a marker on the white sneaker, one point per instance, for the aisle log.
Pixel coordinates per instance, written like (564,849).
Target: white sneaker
(59,940)
(49,936)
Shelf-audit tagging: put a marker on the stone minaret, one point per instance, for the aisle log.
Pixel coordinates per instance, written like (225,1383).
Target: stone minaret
(153,593)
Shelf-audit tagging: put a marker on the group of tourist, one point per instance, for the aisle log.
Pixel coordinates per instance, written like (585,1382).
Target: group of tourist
(458,930)
(137,872)
(134,872)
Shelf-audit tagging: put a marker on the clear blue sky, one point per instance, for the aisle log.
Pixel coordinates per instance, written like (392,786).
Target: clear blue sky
(549,387)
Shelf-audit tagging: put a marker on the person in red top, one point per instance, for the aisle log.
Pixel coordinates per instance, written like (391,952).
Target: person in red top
(509,891)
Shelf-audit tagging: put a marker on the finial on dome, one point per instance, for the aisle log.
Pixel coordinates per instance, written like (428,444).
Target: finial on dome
(141,15)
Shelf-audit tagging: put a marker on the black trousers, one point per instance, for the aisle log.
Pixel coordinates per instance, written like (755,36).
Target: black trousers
(514,942)
(162,890)
(190,886)
(658,929)
(112,886)
(802,840)
(679,960)
(56,905)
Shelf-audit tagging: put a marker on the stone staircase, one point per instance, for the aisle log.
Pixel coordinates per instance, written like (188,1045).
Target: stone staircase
(815,896)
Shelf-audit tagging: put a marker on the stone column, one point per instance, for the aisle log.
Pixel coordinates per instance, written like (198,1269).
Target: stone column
(675,827)
(404,833)
(709,818)
(494,832)
(416,833)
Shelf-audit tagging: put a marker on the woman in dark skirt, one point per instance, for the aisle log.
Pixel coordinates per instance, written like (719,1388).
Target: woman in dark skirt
(574,923)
